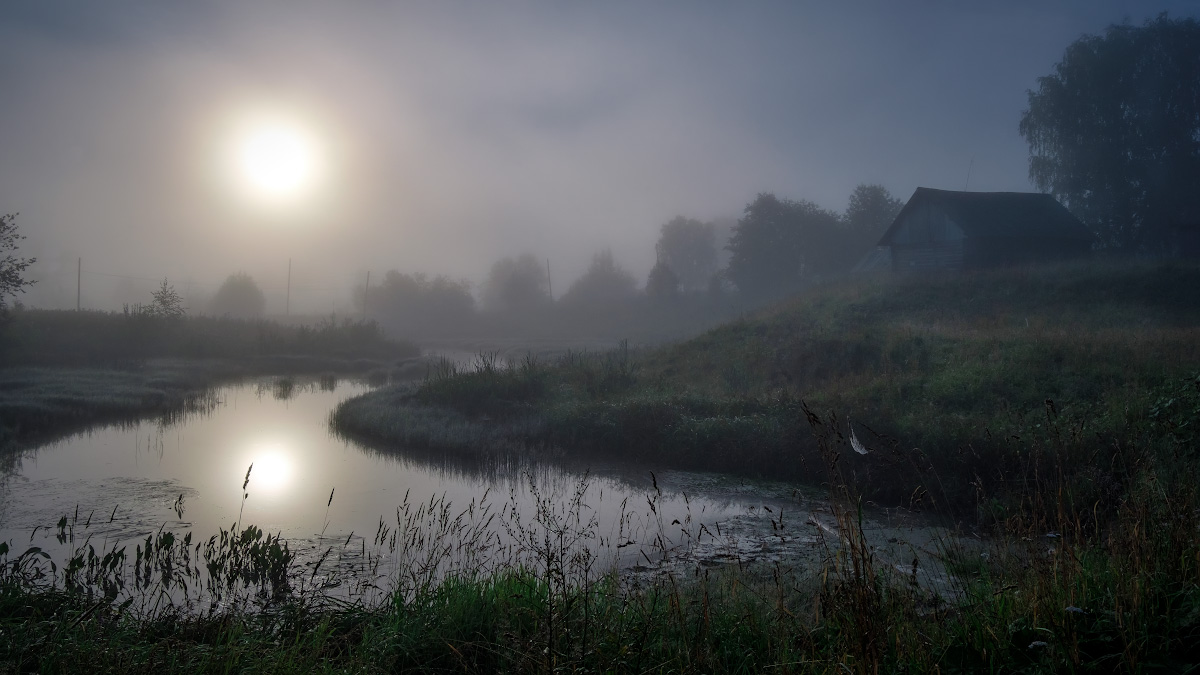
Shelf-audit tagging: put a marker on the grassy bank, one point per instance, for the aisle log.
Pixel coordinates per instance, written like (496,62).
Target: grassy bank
(61,372)
(58,337)
(954,386)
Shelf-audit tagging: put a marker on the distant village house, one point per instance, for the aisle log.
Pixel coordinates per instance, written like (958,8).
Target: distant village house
(943,230)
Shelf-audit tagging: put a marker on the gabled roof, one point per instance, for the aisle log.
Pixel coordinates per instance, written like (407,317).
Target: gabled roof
(1027,215)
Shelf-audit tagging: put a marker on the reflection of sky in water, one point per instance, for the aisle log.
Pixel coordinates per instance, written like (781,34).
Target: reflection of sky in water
(133,476)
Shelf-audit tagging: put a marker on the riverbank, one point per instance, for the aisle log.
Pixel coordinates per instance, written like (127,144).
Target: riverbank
(953,389)
(61,372)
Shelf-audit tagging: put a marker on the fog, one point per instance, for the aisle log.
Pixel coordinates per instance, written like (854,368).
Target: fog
(450,135)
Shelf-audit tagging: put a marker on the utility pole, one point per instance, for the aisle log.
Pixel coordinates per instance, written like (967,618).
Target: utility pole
(549,288)
(287,302)
(78,281)
(366,294)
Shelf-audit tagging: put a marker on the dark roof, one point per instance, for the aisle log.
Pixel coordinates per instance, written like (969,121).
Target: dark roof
(999,214)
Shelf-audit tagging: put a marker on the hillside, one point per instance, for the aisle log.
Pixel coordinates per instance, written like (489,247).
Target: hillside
(951,384)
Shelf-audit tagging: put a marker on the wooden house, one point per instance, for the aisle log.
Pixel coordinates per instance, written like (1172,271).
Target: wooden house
(948,231)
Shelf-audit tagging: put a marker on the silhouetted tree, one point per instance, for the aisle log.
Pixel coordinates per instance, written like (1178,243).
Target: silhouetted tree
(1114,132)
(689,248)
(239,297)
(869,212)
(662,284)
(415,303)
(516,285)
(12,268)
(605,284)
(778,243)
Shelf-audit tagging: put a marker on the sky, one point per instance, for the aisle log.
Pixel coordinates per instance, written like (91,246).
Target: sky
(446,135)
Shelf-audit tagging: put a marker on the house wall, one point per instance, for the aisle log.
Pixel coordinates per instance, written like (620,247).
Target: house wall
(980,252)
(927,240)
(925,225)
(927,256)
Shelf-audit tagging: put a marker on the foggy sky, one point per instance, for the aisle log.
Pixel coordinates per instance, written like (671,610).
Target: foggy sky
(457,133)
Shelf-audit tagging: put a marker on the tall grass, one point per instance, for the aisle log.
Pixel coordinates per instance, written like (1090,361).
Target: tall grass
(56,337)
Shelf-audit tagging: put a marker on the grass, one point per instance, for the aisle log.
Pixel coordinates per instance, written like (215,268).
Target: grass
(949,378)
(66,338)
(61,372)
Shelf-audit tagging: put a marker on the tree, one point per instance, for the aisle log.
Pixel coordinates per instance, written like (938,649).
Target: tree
(167,303)
(516,285)
(604,285)
(869,212)
(662,284)
(689,248)
(1114,132)
(414,303)
(239,297)
(779,243)
(12,268)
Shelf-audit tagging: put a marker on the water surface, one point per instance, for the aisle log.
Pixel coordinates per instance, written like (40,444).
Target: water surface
(264,455)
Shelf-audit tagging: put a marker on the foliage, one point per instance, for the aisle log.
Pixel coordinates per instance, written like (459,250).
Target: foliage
(167,303)
(779,244)
(12,268)
(688,248)
(1114,132)
(662,284)
(869,212)
(516,284)
(239,297)
(603,286)
(409,303)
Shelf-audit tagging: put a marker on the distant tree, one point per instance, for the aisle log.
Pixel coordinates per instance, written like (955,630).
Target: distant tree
(869,213)
(12,268)
(689,248)
(415,302)
(516,285)
(779,243)
(605,284)
(239,297)
(1114,132)
(662,284)
(166,303)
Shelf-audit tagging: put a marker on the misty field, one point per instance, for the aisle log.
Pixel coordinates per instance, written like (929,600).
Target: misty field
(1048,416)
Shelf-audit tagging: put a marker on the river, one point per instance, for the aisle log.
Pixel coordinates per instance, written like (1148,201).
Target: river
(262,453)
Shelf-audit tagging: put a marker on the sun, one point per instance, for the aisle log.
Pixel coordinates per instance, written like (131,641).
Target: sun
(276,159)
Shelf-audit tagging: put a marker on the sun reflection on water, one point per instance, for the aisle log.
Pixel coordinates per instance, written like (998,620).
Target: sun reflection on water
(272,468)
